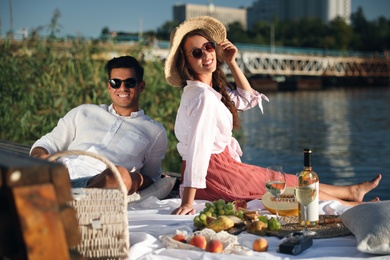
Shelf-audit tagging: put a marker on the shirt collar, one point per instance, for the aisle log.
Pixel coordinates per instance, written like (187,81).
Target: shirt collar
(132,115)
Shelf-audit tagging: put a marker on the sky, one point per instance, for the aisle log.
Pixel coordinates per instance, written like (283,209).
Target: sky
(88,17)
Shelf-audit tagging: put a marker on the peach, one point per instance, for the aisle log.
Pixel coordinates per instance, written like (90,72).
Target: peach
(199,241)
(240,204)
(214,246)
(260,245)
(180,237)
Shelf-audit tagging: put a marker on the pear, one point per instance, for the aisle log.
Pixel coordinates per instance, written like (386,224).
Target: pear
(210,219)
(221,223)
(257,228)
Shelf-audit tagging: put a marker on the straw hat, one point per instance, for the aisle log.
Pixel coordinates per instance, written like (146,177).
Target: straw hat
(212,27)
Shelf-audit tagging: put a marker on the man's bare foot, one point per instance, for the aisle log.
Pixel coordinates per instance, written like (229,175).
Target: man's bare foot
(359,190)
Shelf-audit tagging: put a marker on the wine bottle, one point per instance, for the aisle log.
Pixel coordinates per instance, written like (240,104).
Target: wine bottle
(307,177)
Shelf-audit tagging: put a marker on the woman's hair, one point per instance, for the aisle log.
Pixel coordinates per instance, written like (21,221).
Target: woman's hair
(219,80)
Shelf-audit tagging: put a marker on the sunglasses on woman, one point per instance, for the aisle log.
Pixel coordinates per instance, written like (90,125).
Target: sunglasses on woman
(129,83)
(197,53)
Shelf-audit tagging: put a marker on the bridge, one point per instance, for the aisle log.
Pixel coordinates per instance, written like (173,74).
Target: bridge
(257,60)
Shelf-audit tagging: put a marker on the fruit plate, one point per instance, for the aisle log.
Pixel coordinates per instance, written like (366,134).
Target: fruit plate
(230,242)
(287,206)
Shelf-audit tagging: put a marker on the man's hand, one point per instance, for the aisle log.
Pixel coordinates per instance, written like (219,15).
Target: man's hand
(39,152)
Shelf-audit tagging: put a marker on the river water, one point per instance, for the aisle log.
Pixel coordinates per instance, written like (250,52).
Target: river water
(348,130)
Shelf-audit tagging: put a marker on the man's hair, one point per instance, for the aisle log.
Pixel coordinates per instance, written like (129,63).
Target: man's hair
(126,62)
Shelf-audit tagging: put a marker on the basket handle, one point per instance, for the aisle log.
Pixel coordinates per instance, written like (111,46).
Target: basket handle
(110,165)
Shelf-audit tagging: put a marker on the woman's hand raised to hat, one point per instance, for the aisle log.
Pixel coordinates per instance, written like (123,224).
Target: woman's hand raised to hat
(229,56)
(229,51)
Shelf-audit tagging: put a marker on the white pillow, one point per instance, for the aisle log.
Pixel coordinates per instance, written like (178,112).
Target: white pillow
(370,223)
(160,189)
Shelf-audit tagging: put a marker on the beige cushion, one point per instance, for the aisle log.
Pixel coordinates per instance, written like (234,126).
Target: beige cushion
(160,189)
(370,223)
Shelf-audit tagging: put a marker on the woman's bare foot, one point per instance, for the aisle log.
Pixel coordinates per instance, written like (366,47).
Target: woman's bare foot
(359,190)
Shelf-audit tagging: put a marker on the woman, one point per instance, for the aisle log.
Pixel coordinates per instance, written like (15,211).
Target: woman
(208,113)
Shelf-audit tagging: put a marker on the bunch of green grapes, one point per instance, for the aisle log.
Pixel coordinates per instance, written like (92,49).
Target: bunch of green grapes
(215,209)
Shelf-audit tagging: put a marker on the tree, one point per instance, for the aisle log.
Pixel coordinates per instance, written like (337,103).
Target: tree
(382,34)
(342,34)
(105,31)
(260,33)
(164,32)
(359,26)
(237,33)
(311,32)
(54,26)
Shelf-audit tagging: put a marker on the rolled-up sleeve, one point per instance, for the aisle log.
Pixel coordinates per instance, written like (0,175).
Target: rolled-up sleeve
(245,100)
(61,136)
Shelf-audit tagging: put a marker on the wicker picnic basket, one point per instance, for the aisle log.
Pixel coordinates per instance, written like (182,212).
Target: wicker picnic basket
(102,216)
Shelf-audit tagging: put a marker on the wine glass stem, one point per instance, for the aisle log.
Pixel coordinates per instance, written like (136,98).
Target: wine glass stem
(276,206)
(305,211)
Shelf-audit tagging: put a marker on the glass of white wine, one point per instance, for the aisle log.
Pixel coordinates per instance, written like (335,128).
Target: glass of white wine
(305,195)
(275,184)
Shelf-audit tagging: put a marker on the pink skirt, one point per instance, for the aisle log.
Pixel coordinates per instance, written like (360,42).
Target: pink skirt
(230,180)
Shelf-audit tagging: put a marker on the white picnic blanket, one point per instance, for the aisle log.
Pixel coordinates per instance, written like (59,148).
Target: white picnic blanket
(151,218)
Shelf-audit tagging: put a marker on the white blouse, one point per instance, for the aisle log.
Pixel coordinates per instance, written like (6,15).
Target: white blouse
(204,126)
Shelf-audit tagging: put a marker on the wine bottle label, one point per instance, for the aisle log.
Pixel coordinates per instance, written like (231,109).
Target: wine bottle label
(312,208)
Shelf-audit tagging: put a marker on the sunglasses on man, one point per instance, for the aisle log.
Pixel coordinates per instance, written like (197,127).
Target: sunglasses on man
(129,83)
(197,53)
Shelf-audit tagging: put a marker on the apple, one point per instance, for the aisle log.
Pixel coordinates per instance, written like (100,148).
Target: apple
(260,245)
(180,238)
(214,246)
(199,241)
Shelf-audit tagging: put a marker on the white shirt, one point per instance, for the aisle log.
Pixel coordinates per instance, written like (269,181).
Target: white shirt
(204,126)
(130,141)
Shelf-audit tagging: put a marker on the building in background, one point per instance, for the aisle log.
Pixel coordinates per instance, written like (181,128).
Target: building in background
(226,15)
(268,10)
(285,10)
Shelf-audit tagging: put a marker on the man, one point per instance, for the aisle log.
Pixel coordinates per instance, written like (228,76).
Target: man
(121,132)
